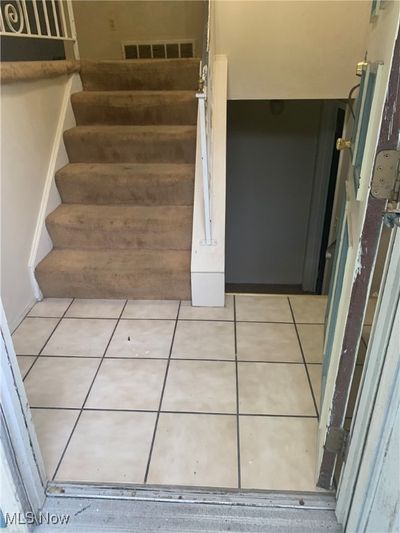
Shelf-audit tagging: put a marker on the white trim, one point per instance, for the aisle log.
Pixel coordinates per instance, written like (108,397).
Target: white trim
(41,243)
(355,215)
(18,419)
(208,289)
(211,259)
(375,408)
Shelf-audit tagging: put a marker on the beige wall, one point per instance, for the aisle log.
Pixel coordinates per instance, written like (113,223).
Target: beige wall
(291,49)
(29,117)
(102,25)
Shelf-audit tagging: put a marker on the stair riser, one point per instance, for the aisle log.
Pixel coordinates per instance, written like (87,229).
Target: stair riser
(112,285)
(116,190)
(103,274)
(151,234)
(130,148)
(137,75)
(138,111)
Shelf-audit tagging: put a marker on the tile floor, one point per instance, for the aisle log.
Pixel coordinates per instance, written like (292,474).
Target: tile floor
(164,393)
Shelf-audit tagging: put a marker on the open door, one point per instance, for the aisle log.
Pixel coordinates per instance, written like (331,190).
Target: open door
(371,182)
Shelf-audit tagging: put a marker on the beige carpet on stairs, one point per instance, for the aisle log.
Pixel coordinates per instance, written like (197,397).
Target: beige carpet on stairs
(124,227)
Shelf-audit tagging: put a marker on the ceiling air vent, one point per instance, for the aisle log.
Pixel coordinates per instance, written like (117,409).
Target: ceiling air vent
(157,49)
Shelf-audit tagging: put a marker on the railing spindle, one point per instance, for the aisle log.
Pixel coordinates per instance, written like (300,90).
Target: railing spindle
(55,15)
(46,18)
(37,19)
(63,21)
(26,17)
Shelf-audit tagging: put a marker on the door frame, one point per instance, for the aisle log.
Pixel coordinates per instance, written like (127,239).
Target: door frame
(377,402)
(365,221)
(319,194)
(18,436)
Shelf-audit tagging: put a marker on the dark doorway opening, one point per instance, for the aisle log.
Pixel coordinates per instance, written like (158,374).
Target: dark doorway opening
(281,177)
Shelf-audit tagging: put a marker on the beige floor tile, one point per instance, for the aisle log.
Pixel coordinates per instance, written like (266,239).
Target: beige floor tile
(366,333)
(128,384)
(109,447)
(274,389)
(50,307)
(83,308)
(53,428)
(309,309)
(362,352)
(161,309)
(188,312)
(312,341)
(60,381)
(32,334)
(204,340)
(267,342)
(354,390)
(202,386)
(195,450)
(370,312)
(25,362)
(80,337)
(263,308)
(142,338)
(278,453)
(315,373)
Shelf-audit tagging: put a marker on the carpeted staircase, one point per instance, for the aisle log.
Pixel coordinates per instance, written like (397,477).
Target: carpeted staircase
(124,227)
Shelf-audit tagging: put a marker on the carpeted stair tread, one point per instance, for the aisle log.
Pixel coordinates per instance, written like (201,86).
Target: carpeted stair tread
(126,183)
(124,227)
(121,227)
(136,144)
(135,107)
(141,274)
(140,74)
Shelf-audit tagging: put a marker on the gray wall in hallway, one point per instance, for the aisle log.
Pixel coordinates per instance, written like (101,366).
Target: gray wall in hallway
(270,173)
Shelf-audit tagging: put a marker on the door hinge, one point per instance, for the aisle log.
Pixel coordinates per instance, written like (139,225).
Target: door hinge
(386,176)
(337,441)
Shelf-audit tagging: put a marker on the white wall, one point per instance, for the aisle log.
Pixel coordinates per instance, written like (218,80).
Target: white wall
(291,49)
(29,118)
(102,25)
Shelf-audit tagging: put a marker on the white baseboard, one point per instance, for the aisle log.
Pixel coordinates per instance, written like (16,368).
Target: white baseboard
(41,244)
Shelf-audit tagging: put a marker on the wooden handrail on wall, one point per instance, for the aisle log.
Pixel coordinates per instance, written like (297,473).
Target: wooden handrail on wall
(17,71)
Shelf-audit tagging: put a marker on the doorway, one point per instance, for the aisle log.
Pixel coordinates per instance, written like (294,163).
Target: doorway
(281,177)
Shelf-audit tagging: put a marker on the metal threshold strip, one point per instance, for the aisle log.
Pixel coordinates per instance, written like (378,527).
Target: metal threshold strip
(205,496)
(144,509)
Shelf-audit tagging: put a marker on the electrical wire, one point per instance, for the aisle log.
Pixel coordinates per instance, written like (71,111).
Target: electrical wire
(349,99)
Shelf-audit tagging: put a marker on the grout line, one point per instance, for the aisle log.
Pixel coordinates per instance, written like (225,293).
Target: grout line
(88,392)
(208,360)
(181,320)
(48,338)
(155,411)
(304,361)
(162,396)
(237,397)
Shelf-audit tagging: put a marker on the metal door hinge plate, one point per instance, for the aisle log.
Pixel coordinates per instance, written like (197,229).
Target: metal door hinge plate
(386,175)
(336,440)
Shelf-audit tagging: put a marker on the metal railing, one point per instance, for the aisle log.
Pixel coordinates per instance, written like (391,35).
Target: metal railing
(39,19)
(204,96)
